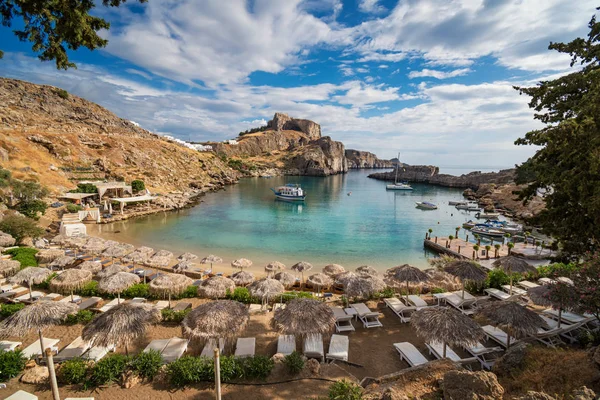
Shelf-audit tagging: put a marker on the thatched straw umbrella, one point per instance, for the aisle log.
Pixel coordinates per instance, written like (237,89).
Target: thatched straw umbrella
(121,325)
(241,263)
(211,259)
(367,270)
(96,245)
(345,277)
(93,266)
(302,267)
(466,271)
(364,286)
(287,280)
(170,284)
(38,316)
(62,262)
(187,257)
(242,278)
(395,276)
(9,267)
(513,318)
(558,295)
(320,281)
(183,266)
(118,250)
(274,267)
(333,269)
(60,240)
(446,325)
(304,317)
(117,283)
(6,240)
(70,280)
(265,287)
(215,287)
(111,270)
(48,255)
(30,276)
(225,319)
(139,255)
(512,264)
(77,242)
(160,259)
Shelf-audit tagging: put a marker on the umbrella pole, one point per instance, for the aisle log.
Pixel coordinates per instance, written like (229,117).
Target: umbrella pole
(30,294)
(169,299)
(444,355)
(71,296)
(126,350)
(52,373)
(41,341)
(217,375)
(511,285)
(463,290)
(119,298)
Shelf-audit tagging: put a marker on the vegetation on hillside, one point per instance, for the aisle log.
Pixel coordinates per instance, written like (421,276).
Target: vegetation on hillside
(253,130)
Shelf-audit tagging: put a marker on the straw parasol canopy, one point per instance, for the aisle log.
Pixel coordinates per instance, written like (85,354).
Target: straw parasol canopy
(48,255)
(215,287)
(70,280)
(211,259)
(187,257)
(466,271)
(111,270)
(302,267)
(241,263)
(320,280)
(265,287)
(274,266)
(364,286)
(61,240)
(404,274)
(304,317)
(121,325)
(558,295)
(333,269)
(242,278)
(77,241)
(345,277)
(512,264)
(117,283)
(183,266)
(139,255)
(9,267)
(446,325)
(161,258)
(118,250)
(214,320)
(30,276)
(170,284)
(96,245)
(367,270)
(62,262)
(286,279)
(516,320)
(93,266)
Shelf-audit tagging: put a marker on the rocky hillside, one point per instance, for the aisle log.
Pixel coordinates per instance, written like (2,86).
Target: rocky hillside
(364,159)
(53,137)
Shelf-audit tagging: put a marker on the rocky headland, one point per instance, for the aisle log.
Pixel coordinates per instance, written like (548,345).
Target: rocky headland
(363,159)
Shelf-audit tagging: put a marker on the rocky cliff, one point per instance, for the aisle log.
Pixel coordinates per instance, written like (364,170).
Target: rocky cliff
(321,157)
(364,159)
(282,122)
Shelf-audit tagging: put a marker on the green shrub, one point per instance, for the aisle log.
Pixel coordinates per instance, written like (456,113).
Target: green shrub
(190,292)
(437,290)
(81,317)
(90,289)
(242,295)
(6,310)
(20,227)
(137,290)
(32,208)
(138,185)
(62,93)
(147,364)
(45,285)
(5,177)
(168,315)
(109,369)
(387,293)
(257,367)
(12,364)
(231,368)
(287,296)
(496,278)
(345,390)
(558,269)
(85,188)
(73,208)
(73,371)
(294,362)
(24,255)
(188,370)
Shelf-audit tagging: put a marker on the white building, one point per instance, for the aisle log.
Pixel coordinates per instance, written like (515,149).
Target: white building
(231,141)
(203,147)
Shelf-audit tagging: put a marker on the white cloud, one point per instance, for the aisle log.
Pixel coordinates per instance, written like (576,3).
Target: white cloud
(371,6)
(359,94)
(438,74)
(381,57)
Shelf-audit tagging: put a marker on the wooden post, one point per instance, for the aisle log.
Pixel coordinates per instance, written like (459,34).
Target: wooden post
(436,240)
(473,254)
(217,374)
(447,244)
(467,239)
(458,249)
(52,373)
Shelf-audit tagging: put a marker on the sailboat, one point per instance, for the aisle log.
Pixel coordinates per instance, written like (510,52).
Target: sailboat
(398,185)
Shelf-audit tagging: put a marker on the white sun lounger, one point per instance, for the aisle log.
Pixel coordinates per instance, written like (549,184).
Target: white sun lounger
(6,288)
(157,345)
(437,350)
(6,345)
(466,296)
(498,294)
(527,285)
(568,317)
(161,305)
(515,290)
(313,347)
(34,349)
(486,356)
(22,395)
(97,353)
(52,297)
(25,297)
(286,344)
(399,308)
(138,300)
(545,281)
(76,299)
(109,305)
(338,348)
(417,301)
(89,303)
(409,353)
(343,321)
(550,338)
(209,347)
(75,349)
(465,306)
(174,349)
(370,319)
(278,305)
(245,347)
(498,335)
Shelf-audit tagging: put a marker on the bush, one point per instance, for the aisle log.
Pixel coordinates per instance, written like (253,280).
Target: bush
(81,317)
(45,285)
(32,208)
(12,362)
(73,208)
(190,292)
(109,369)
(73,371)
(138,185)
(496,278)
(387,293)
(345,390)
(6,310)
(24,255)
(20,227)
(257,367)
(242,295)
(437,290)
(294,362)
(231,368)
(287,296)
(188,370)
(62,93)
(85,188)
(137,290)
(90,289)
(147,364)
(168,315)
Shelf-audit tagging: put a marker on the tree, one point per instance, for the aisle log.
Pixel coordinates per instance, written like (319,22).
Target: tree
(510,247)
(587,282)
(450,238)
(20,227)
(487,251)
(475,251)
(53,24)
(496,249)
(138,185)
(31,208)
(567,167)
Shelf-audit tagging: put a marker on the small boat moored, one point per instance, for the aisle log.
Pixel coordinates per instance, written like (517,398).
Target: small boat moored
(425,205)
(457,203)
(487,215)
(291,191)
(480,230)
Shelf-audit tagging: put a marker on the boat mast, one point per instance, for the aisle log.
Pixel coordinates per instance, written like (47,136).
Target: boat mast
(397,168)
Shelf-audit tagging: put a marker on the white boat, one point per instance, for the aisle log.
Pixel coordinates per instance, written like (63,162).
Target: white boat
(398,185)
(484,215)
(468,207)
(487,232)
(291,191)
(457,203)
(425,205)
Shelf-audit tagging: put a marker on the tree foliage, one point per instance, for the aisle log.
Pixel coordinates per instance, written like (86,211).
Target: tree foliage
(53,26)
(568,163)
(20,227)
(587,282)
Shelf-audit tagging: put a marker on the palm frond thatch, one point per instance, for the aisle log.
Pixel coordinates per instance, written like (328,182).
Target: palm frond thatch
(211,259)
(367,270)
(170,284)
(446,325)
(287,280)
(70,280)
(540,296)
(161,258)
(266,287)
(118,282)
(46,256)
(241,263)
(304,317)
(302,266)
(38,316)
(184,265)
(6,240)
(97,245)
(333,269)
(93,266)
(118,250)
(111,270)
(466,270)
(405,273)
(216,319)
(60,239)
(364,286)
(242,278)
(62,262)
(512,264)
(274,266)
(9,267)
(77,241)
(517,320)
(121,325)
(321,280)
(215,287)
(30,276)
(187,257)
(139,255)
(345,277)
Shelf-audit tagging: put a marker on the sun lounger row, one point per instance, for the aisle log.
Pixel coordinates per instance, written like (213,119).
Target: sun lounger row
(170,349)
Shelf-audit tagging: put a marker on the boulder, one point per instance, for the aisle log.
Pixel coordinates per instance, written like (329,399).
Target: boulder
(278,358)
(391,394)
(130,379)
(35,375)
(583,393)
(26,241)
(511,360)
(531,395)
(6,240)
(281,122)
(313,366)
(466,385)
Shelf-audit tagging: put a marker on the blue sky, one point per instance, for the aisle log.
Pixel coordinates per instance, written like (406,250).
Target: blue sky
(431,79)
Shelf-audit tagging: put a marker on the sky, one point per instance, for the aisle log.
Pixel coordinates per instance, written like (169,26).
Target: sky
(430,79)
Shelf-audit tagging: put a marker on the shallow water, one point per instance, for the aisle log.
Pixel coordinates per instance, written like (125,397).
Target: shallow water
(371,226)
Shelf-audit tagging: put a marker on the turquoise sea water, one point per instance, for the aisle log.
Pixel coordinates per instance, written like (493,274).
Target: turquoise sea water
(371,226)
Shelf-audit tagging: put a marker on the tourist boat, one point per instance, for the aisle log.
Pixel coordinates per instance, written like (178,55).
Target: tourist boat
(469,224)
(482,230)
(457,203)
(291,191)
(398,185)
(425,205)
(468,207)
(487,215)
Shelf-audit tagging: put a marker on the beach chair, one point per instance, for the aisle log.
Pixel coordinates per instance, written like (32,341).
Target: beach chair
(486,356)
(566,280)
(89,303)
(6,288)
(174,349)
(245,347)
(417,301)
(569,330)
(182,306)
(498,294)
(313,347)
(436,349)
(109,305)
(343,321)
(21,395)
(527,285)
(97,353)
(157,345)
(515,290)
(399,308)
(75,349)
(52,297)
(465,306)
(370,319)
(498,335)
(409,353)
(34,349)
(278,305)
(24,298)
(6,345)
(209,347)
(568,317)
(466,295)
(76,299)
(256,308)
(550,338)
(545,281)
(138,300)
(161,305)
(338,348)
(286,344)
